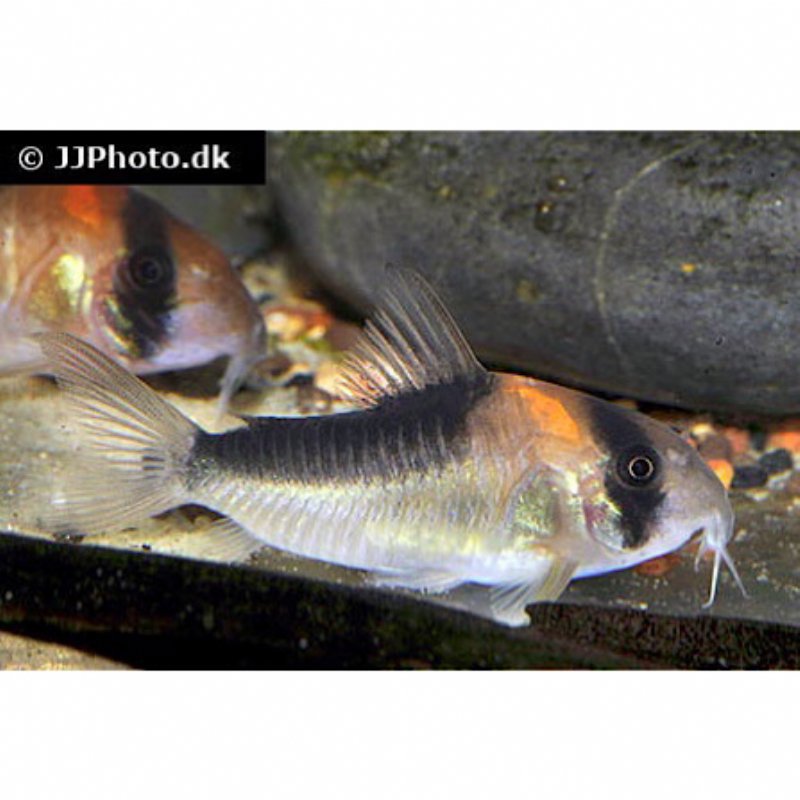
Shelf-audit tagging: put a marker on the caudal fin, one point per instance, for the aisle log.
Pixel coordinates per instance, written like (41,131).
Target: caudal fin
(133,444)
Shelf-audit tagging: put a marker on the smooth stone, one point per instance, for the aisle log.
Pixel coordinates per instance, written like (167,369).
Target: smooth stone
(777,461)
(749,476)
(661,266)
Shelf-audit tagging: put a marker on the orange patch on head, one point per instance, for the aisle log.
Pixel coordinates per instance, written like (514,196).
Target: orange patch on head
(83,203)
(549,413)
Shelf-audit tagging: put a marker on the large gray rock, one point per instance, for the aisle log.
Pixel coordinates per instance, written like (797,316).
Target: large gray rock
(662,266)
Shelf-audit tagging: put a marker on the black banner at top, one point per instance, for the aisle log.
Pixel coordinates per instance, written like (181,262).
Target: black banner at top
(137,157)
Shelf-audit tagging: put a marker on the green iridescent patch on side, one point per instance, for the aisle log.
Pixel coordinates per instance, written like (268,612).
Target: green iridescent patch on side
(59,293)
(537,509)
(69,274)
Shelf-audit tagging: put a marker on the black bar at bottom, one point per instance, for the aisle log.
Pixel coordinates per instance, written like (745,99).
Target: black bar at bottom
(164,612)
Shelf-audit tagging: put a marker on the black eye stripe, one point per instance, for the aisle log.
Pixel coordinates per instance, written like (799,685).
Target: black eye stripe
(144,283)
(619,433)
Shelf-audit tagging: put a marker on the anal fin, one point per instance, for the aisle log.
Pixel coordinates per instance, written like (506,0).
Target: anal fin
(224,540)
(427,580)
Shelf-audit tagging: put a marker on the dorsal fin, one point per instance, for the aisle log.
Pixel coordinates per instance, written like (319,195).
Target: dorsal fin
(410,342)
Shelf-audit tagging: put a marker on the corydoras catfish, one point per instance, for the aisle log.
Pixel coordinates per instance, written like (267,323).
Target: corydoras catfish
(447,474)
(113,267)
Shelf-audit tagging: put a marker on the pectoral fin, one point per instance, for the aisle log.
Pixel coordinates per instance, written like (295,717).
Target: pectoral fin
(509,600)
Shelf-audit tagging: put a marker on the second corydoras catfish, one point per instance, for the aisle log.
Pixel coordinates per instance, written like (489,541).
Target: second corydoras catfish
(113,267)
(447,474)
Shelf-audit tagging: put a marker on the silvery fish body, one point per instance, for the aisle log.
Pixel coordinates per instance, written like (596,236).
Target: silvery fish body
(447,474)
(113,267)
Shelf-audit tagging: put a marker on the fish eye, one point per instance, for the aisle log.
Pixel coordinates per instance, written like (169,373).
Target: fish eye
(638,466)
(150,269)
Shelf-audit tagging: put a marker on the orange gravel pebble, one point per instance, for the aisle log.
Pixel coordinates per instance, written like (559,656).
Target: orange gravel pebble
(292,323)
(787,435)
(716,448)
(657,567)
(739,439)
(723,470)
